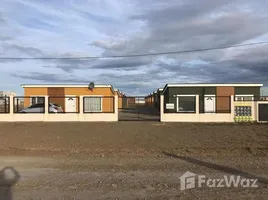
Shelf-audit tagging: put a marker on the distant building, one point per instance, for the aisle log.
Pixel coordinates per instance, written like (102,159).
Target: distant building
(7,93)
(4,95)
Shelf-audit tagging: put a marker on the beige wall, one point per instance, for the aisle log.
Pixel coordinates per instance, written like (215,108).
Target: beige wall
(252,104)
(209,117)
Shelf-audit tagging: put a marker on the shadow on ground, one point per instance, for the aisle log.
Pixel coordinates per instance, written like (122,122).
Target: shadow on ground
(8,178)
(217,167)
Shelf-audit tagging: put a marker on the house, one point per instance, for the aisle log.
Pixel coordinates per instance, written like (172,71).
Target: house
(7,93)
(3,97)
(157,98)
(98,99)
(149,99)
(120,98)
(198,98)
(140,100)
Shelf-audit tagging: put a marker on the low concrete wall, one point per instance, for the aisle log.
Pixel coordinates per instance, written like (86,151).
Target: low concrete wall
(196,117)
(61,117)
(213,117)
(94,117)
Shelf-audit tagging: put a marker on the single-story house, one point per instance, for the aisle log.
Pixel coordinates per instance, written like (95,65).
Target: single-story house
(67,96)
(120,98)
(212,98)
(183,95)
(157,98)
(149,99)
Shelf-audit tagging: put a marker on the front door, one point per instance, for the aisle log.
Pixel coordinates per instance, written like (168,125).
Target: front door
(70,104)
(210,104)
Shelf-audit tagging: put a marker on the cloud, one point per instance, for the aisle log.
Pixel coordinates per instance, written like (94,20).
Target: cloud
(24,50)
(112,27)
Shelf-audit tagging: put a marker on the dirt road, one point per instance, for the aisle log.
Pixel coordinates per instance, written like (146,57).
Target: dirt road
(132,160)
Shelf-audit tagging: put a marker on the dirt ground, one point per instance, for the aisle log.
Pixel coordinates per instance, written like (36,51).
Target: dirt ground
(132,160)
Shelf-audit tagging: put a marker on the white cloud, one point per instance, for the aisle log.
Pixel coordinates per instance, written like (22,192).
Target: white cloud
(40,28)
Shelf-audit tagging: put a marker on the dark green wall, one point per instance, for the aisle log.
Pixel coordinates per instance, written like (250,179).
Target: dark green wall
(248,90)
(201,91)
(158,94)
(192,90)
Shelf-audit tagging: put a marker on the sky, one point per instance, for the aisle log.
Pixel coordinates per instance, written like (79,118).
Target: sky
(70,28)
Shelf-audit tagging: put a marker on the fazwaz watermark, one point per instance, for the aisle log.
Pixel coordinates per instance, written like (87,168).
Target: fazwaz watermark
(190,180)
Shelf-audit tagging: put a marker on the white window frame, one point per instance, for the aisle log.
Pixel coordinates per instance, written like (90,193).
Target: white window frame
(185,95)
(36,96)
(244,95)
(100,96)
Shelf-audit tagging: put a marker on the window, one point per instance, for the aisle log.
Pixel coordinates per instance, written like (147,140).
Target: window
(244,97)
(36,100)
(186,103)
(92,104)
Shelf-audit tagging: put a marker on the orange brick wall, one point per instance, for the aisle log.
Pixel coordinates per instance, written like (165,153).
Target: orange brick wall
(120,101)
(56,95)
(106,93)
(33,92)
(223,102)
(107,100)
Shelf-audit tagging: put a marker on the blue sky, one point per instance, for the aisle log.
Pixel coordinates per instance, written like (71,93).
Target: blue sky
(51,28)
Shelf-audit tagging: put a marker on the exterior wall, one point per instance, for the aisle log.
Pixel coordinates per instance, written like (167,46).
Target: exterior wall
(120,100)
(195,117)
(124,102)
(57,92)
(107,103)
(256,91)
(83,117)
(222,92)
(33,92)
(223,103)
(253,106)
(201,91)
(151,100)
(157,100)
(209,117)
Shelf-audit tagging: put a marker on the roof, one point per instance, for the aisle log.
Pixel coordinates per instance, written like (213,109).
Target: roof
(66,85)
(62,85)
(212,85)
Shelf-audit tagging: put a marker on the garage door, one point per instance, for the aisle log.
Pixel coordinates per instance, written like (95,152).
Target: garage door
(263,112)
